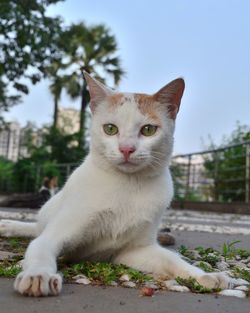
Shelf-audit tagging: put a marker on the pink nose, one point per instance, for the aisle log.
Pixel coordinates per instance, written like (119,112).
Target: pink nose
(126,151)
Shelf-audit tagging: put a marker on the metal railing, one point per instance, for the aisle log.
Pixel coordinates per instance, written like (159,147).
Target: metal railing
(221,175)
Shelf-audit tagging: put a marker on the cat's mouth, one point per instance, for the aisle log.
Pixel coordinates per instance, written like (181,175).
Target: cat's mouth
(127,162)
(129,166)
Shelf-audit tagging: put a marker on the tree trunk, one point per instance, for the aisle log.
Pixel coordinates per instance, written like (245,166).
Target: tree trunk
(55,116)
(84,102)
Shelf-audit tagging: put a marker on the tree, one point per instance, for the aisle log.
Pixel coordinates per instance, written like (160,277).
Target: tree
(227,167)
(56,87)
(28,43)
(92,49)
(40,160)
(6,177)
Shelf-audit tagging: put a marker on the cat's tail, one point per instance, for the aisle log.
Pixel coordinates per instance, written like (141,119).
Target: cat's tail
(11,228)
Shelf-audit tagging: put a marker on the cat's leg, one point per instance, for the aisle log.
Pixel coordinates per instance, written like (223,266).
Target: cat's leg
(165,263)
(39,276)
(11,228)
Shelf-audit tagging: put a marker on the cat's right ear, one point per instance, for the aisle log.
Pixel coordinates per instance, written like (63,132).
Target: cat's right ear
(98,92)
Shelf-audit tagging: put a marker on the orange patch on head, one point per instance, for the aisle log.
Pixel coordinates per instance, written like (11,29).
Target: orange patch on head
(147,105)
(116,99)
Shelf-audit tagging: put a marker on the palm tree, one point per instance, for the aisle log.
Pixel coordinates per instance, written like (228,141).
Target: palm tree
(55,87)
(92,49)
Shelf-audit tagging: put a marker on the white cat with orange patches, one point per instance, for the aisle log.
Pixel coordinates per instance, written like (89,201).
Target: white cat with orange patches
(111,206)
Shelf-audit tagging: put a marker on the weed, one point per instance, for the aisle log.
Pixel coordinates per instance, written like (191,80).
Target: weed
(183,250)
(104,273)
(194,286)
(228,249)
(241,273)
(9,268)
(205,267)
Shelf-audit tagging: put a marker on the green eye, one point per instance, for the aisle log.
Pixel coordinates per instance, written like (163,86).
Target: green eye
(110,129)
(148,130)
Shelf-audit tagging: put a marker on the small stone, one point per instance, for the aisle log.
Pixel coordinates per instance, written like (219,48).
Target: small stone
(113,283)
(239,281)
(236,263)
(151,285)
(232,262)
(243,288)
(79,276)
(233,293)
(245,261)
(170,283)
(179,289)
(248,264)
(124,277)
(194,254)
(197,263)
(129,284)
(211,254)
(238,257)
(222,266)
(83,281)
(241,265)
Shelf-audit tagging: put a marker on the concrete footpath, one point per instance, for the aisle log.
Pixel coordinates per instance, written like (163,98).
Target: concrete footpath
(92,299)
(186,227)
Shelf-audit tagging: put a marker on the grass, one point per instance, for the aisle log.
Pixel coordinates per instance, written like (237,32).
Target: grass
(14,244)
(241,273)
(205,267)
(194,286)
(9,268)
(229,251)
(104,273)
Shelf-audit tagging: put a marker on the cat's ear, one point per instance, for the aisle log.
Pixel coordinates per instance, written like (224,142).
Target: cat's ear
(170,95)
(98,92)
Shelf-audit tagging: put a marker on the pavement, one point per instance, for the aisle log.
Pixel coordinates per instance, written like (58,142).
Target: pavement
(189,228)
(92,299)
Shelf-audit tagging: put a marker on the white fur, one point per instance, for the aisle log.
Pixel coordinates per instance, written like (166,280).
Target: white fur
(108,210)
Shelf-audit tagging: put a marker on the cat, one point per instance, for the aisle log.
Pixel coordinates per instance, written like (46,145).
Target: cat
(111,206)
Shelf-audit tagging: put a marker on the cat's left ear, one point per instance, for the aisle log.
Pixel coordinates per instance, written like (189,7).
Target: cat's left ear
(171,95)
(98,92)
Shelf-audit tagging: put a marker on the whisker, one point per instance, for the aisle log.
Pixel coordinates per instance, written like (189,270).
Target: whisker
(155,162)
(159,153)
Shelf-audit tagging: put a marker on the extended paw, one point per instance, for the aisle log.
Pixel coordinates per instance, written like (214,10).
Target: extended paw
(215,280)
(38,285)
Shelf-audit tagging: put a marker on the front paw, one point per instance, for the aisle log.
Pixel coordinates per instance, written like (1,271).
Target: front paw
(39,284)
(215,280)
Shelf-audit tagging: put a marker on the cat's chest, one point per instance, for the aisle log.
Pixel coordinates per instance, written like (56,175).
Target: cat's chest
(132,195)
(119,202)
(129,204)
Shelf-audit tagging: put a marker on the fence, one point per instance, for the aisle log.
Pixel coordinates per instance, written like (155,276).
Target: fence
(221,175)
(31,180)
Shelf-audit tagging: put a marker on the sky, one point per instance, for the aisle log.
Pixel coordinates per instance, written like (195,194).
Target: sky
(205,42)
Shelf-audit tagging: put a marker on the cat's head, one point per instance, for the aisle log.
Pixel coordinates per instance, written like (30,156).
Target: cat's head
(133,132)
